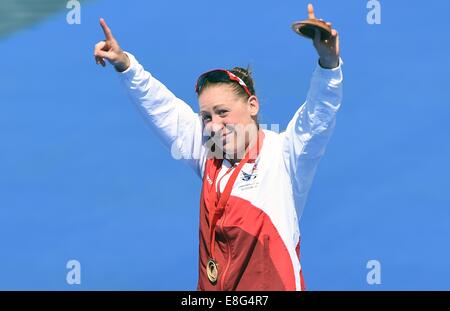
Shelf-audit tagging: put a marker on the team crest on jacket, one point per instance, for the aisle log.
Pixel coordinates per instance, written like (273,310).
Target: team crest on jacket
(248,180)
(247,177)
(252,175)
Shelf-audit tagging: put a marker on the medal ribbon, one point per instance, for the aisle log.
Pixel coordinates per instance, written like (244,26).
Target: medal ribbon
(218,207)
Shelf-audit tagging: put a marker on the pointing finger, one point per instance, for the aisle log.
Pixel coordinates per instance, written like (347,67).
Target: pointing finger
(106,30)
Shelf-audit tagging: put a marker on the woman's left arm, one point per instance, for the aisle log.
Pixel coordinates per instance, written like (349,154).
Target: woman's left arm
(307,134)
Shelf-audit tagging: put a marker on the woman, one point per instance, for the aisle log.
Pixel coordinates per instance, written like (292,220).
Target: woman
(255,181)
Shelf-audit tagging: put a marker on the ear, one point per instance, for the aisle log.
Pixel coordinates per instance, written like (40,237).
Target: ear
(253,105)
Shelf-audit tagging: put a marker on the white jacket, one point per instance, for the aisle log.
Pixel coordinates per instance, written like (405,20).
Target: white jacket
(265,207)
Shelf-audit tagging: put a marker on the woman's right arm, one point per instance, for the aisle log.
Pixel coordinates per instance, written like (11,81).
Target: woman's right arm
(174,121)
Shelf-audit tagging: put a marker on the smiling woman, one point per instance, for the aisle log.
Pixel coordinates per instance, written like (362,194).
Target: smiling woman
(255,181)
(229,117)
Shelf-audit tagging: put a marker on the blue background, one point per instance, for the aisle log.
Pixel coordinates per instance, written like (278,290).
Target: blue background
(82,177)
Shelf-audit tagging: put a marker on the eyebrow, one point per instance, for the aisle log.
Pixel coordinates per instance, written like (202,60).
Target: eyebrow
(214,108)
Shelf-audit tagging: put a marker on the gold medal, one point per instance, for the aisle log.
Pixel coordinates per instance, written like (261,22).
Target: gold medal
(212,270)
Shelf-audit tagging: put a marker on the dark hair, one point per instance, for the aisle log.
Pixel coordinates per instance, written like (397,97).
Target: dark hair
(246,76)
(243,74)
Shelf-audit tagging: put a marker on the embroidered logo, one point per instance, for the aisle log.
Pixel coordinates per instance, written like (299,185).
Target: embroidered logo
(247,177)
(252,175)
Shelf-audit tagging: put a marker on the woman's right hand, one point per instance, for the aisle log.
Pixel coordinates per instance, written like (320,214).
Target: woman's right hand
(110,50)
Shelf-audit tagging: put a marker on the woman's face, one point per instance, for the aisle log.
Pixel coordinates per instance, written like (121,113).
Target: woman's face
(227,117)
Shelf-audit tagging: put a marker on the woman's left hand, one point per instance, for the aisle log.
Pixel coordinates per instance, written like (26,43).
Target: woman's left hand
(328,49)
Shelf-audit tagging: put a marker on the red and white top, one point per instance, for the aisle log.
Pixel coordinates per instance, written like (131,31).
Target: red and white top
(257,236)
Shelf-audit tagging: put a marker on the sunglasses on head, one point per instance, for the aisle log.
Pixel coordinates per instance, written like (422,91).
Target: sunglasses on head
(219,75)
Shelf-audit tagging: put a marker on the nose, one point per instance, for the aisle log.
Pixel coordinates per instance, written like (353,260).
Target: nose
(214,127)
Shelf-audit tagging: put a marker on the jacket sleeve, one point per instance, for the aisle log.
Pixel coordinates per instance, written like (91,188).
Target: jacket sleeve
(308,132)
(174,122)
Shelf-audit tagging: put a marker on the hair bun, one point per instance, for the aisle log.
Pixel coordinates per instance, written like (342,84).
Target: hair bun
(242,71)
(246,76)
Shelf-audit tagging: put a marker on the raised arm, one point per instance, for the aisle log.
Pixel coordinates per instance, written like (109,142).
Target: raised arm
(174,121)
(110,50)
(308,132)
